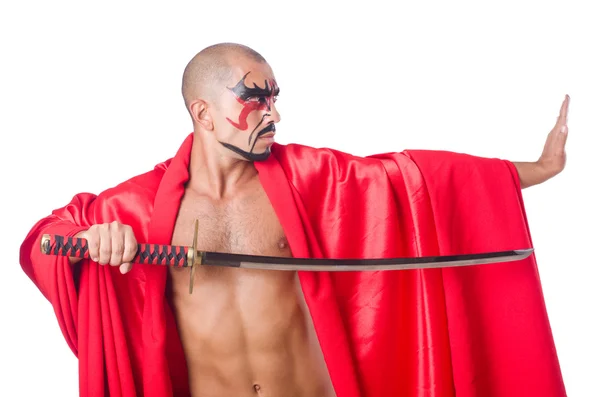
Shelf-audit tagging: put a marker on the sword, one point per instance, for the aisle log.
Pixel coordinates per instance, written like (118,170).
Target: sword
(191,257)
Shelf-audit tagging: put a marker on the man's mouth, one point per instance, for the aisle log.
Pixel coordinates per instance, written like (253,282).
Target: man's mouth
(267,132)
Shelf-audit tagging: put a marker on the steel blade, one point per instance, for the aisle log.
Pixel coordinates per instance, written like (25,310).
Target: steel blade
(322,264)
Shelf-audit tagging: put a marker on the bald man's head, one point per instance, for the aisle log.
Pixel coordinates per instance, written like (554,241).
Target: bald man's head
(210,70)
(230,92)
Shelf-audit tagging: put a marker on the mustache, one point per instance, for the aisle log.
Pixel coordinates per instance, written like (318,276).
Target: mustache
(267,129)
(261,132)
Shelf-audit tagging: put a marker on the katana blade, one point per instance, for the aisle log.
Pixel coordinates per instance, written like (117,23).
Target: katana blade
(344,265)
(182,256)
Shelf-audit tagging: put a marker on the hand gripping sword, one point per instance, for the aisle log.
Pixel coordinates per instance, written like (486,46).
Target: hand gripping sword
(190,257)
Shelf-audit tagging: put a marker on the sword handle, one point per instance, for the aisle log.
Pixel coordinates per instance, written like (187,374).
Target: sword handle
(151,254)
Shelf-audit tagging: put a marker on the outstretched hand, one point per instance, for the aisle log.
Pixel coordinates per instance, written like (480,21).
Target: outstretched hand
(553,158)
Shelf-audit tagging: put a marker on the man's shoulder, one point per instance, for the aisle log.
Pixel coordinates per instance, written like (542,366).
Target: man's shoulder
(306,167)
(138,187)
(291,152)
(303,157)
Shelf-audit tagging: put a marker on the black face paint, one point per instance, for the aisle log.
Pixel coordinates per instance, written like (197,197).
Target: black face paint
(255,128)
(247,155)
(253,99)
(266,130)
(244,92)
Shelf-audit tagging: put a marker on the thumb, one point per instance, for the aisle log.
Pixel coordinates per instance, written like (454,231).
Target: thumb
(125,267)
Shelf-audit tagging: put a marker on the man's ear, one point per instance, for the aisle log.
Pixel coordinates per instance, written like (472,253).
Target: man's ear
(201,115)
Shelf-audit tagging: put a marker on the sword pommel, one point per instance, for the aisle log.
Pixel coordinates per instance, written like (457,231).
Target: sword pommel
(45,244)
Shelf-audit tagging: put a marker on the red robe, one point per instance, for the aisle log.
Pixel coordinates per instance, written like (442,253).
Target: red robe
(467,332)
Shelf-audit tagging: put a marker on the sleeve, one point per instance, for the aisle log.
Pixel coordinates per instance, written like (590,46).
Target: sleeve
(53,275)
(498,326)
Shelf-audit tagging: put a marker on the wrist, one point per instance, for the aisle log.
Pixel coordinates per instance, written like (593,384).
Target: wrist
(530,173)
(545,170)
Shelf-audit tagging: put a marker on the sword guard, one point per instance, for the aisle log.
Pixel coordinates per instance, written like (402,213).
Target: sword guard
(194,257)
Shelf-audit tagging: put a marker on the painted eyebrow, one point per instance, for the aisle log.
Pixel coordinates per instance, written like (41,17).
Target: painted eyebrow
(262,92)
(245,92)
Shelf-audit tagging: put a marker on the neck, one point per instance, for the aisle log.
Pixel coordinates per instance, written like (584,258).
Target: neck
(214,171)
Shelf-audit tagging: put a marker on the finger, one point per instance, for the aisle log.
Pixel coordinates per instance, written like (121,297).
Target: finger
(561,138)
(558,139)
(555,145)
(93,239)
(131,245)
(125,267)
(117,244)
(105,244)
(564,112)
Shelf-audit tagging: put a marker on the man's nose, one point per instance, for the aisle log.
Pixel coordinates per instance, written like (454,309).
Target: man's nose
(275,117)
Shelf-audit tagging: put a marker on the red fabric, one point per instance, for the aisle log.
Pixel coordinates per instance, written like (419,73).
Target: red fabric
(476,331)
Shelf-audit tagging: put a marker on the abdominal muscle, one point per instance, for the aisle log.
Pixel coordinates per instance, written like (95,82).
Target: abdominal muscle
(248,333)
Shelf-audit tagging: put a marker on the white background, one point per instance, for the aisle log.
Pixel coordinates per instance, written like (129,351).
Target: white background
(90,95)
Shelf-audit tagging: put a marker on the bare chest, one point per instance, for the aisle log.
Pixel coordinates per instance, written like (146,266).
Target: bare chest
(243,330)
(246,225)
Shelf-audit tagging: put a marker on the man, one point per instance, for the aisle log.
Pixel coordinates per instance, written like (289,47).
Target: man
(138,331)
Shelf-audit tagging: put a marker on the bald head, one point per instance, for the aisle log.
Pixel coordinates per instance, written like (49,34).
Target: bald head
(211,69)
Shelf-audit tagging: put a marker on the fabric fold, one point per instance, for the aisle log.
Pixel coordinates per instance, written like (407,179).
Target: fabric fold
(473,331)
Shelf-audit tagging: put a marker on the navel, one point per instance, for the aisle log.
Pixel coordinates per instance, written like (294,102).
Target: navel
(256,387)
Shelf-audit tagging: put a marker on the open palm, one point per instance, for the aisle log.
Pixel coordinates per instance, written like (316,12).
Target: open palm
(554,156)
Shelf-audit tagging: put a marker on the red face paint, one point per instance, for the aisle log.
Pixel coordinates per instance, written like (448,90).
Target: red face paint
(248,107)
(252,99)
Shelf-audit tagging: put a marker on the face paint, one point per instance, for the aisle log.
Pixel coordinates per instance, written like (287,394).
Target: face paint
(248,154)
(253,99)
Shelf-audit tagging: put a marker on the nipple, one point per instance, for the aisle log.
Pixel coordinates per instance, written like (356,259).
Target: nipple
(283,243)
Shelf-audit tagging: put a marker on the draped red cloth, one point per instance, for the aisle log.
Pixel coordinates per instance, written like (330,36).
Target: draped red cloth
(472,331)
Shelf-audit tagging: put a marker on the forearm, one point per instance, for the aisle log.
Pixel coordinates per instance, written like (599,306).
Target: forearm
(531,173)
